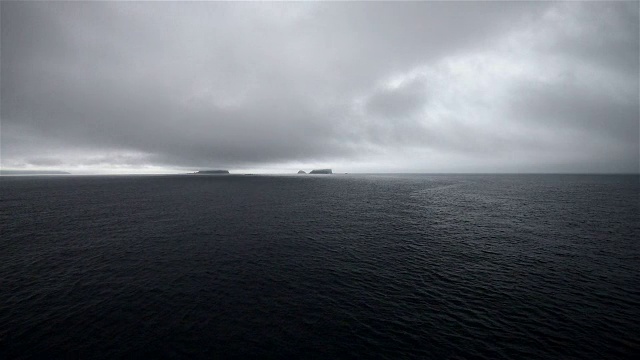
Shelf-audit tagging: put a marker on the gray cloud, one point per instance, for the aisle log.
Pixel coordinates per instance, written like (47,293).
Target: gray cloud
(399,102)
(483,86)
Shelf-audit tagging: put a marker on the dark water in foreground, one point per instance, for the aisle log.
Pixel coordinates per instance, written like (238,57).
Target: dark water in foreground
(403,266)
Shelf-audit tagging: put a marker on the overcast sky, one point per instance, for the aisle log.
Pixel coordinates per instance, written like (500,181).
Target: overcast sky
(359,87)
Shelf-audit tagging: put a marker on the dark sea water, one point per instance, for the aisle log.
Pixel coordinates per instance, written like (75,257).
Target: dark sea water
(333,267)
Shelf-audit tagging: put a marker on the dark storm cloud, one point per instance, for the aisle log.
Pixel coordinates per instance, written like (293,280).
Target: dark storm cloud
(188,85)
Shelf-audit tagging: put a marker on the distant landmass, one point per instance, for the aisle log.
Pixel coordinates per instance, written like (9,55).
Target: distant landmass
(33,172)
(212,172)
(321,171)
(301,172)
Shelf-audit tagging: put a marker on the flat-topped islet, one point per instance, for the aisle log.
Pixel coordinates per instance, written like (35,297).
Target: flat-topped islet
(321,171)
(212,172)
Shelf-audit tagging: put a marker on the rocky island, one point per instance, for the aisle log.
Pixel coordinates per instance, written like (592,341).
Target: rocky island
(321,171)
(212,172)
(301,172)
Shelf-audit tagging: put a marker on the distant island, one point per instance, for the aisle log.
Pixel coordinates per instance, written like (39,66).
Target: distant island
(321,171)
(33,172)
(301,172)
(212,172)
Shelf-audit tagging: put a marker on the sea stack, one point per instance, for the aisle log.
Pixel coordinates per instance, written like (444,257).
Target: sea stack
(301,172)
(321,171)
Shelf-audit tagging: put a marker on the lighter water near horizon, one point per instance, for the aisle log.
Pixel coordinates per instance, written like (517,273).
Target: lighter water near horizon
(349,266)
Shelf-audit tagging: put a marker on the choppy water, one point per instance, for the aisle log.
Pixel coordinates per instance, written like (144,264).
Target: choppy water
(395,266)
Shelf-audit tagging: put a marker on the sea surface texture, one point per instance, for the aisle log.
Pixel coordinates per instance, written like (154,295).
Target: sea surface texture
(320,266)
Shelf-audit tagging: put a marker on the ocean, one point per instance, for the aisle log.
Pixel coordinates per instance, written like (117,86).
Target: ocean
(320,266)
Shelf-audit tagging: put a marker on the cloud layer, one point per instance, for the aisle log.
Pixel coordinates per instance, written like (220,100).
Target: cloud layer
(488,87)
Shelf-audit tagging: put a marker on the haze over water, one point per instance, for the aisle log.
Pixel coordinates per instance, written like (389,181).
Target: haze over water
(341,266)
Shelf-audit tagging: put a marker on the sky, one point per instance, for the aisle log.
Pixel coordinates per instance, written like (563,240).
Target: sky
(153,87)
